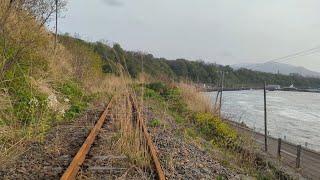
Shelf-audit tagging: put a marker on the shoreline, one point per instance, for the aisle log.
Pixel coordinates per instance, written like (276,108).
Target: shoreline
(248,89)
(248,106)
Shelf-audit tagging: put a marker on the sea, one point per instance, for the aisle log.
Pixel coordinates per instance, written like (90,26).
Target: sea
(292,116)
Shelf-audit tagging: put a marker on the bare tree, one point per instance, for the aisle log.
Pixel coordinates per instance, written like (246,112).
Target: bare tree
(15,18)
(43,10)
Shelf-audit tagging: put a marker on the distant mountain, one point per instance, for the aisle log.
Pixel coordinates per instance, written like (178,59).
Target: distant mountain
(275,67)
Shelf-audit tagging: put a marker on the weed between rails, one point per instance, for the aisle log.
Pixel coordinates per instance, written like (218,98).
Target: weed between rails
(130,140)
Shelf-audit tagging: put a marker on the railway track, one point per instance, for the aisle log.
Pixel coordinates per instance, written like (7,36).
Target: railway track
(118,146)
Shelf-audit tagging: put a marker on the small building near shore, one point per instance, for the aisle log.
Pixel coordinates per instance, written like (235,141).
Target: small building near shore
(272,87)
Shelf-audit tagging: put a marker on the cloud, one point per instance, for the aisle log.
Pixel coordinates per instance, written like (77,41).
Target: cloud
(113,2)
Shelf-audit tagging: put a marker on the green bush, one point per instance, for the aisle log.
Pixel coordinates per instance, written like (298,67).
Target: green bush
(71,90)
(212,127)
(28,105)
(178,118)
(191,132)
(171,96)
(158,87)
(176,103)
(150,93)
(221,177)
(154,123)
(76,96)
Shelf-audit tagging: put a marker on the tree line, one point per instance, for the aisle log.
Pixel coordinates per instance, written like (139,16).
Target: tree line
(187,70)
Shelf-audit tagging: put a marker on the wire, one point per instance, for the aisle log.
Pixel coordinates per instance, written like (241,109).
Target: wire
(289,57)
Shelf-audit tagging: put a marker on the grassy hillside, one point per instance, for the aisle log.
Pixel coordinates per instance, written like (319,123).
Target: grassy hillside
(41,86)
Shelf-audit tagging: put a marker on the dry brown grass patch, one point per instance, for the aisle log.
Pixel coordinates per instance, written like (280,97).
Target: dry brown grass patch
(130,138)
(195,100)
(12,145)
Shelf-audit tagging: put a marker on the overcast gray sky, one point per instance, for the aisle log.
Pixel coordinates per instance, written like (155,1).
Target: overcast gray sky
(222,31)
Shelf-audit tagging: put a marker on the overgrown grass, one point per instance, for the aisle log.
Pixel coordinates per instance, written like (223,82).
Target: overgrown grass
(154,123)
(75,95)
(169,97)
(40,87)
(130,139)
(205,123)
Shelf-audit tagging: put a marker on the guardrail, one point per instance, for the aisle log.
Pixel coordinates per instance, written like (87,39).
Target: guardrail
(304,160)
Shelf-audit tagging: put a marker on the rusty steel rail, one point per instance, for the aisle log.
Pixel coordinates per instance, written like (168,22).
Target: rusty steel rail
(77,161)
(151,147)
(153,153)
(79,158)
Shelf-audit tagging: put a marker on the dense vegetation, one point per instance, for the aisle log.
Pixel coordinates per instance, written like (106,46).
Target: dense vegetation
(202,127)
(176,98)
(185,70)
(41,85)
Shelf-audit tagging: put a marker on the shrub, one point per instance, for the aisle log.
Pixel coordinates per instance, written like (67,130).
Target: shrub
(158,87)
(71,90)
(176,103)
(213,128)
(154,123)
(221,177)
(177,117)
(191,132)
(28,105)
(170,96)
(76,96)
(150,93)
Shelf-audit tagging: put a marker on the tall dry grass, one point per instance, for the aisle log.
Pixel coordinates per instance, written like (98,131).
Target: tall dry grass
(130,140)
(5,106)
(32,47)
(60,65)
(195,100)
(109,84)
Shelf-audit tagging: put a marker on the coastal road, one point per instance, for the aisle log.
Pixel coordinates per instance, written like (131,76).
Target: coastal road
(309,159)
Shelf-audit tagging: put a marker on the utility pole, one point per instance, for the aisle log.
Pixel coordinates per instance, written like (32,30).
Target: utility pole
(265,119)
(222,80)
(218,93)
(142,87)
(56,35)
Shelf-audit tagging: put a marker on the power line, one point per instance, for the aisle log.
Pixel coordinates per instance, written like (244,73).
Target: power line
(317,48)
(306,54)
(289,57)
